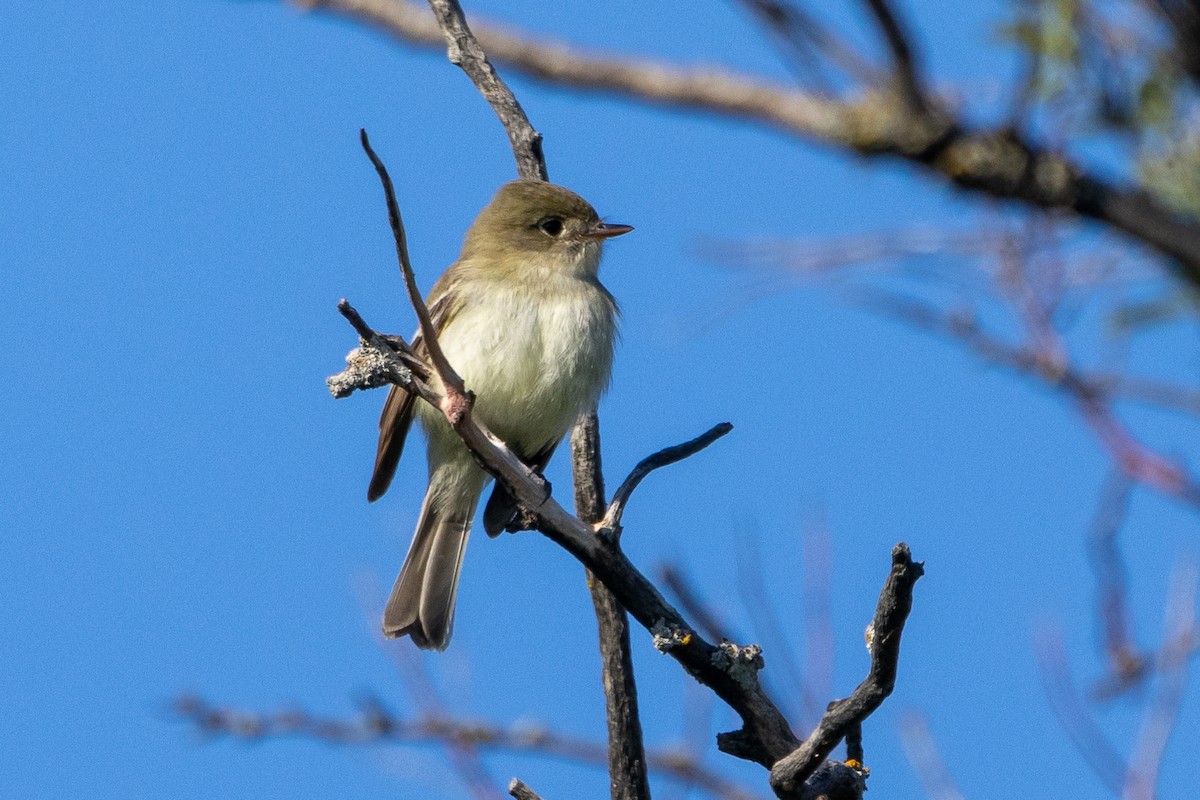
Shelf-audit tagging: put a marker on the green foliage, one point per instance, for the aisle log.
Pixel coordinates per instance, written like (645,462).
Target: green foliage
(1171,171)
(1157,96)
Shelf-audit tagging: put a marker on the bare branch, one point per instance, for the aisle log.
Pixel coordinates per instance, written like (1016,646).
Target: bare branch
(465,52)
(456,393)
(381,361)
(927,762)
(730,671)
(903,62)
(895,601)
(1126,665)
(463,752)
(706,618)
(520,791)
(1074,717)
(1091,395)
(663,458)
(626,751)
(1141,779)
(375,724)
(994,162)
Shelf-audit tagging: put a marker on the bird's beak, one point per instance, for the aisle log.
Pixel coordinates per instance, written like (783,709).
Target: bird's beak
(604,230)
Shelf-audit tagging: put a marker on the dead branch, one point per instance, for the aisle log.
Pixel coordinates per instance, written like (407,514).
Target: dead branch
(626,751)
(1162,714)
(376,724)
(627,769)
(611,523)
(1072,714)
(927,762)
(729,670)
(904,67)
(464,51)
(1000,163)
(521,792)
(843,716)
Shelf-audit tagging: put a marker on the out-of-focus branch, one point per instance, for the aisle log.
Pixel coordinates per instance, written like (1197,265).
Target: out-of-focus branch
(927,762)
(1162,715)
(1092,395)
(707,621)
(1074,717)
(904,65)
(375,724)
(808,40)
(1126,665)
(999,163)
(895,601)
(464,755)
(768,628)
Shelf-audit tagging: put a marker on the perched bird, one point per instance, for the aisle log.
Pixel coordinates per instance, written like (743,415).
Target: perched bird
(524,319)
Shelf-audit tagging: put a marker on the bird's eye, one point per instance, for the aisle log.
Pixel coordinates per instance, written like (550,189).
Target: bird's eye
(551,226)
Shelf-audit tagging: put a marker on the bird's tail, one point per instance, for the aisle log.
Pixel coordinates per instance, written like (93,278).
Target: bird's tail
(422,601)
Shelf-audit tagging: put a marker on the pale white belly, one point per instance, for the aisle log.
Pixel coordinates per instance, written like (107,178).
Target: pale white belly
(534,364)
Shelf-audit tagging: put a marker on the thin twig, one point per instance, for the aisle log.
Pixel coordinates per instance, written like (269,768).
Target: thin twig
(381,361)
(376,724)
(926,760)
(1074,717)
(663,458)
(768,628)
(904,67)
(456,393)
(895,601)
(1126,665)
(817,609)
(1162,715)
(707,621)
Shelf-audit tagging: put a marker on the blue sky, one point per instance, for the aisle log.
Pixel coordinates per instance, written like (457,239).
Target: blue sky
(183,505)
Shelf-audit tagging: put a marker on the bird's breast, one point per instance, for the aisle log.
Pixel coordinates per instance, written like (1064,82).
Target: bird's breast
(535,357)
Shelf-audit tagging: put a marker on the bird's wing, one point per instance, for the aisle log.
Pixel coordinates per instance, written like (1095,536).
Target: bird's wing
(501,509)
(397,414)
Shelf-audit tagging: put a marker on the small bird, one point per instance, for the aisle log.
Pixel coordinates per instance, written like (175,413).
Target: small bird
(524,320)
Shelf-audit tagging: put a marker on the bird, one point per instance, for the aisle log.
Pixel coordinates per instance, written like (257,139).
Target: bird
(522,317)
